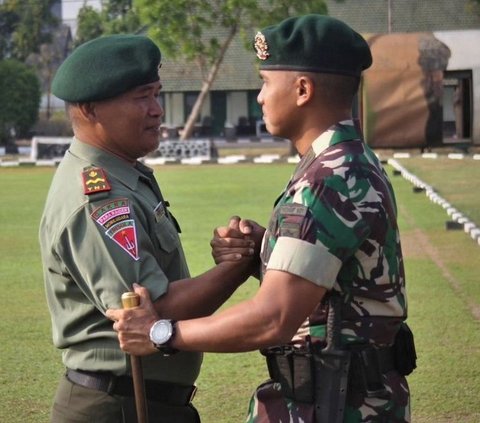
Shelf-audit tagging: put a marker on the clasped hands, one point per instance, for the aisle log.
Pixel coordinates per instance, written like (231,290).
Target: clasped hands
(238,242)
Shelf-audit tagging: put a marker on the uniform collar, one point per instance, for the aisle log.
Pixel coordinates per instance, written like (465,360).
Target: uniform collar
(342,131)
(125,172)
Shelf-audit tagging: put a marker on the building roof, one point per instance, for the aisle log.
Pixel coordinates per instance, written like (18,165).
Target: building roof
(371,16)
(238,71)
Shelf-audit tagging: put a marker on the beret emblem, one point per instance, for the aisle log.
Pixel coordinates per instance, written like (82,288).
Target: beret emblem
(261,46)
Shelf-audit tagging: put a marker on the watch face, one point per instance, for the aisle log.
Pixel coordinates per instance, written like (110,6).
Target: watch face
(161,331)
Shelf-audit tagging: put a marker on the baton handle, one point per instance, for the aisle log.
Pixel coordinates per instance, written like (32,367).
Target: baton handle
(130,300)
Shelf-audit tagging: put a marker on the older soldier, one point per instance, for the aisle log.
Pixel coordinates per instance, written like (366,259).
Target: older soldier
(329,314)
(105,226)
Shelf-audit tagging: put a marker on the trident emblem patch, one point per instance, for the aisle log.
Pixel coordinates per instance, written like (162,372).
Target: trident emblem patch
(116,219)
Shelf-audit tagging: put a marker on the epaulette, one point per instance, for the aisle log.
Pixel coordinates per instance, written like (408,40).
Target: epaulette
(94,180)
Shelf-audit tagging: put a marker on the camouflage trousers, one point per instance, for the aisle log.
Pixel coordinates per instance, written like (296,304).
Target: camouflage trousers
(267,405)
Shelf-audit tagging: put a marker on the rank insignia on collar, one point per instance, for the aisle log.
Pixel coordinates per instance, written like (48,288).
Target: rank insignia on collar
(261,46)
(94,180)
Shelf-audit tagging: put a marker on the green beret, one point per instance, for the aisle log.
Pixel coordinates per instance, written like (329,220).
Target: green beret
(313,43)
(106,67)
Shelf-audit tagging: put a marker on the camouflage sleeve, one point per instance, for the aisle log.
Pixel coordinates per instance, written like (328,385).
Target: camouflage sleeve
(317,232)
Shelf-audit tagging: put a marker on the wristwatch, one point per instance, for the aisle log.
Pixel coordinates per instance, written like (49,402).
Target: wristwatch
(161,335)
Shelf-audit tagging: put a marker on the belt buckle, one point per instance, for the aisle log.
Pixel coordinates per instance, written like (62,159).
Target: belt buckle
(192,393)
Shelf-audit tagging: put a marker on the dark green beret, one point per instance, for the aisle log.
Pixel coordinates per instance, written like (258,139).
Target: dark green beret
(106,67)
(313,43)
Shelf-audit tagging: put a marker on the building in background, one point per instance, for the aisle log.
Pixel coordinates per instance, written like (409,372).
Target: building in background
(423,100)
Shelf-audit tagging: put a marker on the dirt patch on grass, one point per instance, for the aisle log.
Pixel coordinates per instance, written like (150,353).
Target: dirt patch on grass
(417,244)
(411,248)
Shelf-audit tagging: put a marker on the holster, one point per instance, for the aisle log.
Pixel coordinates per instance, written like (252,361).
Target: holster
(331,383)
(319,378)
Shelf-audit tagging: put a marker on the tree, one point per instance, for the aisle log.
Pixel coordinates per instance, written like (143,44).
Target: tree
(24,26)
(474,6)
(89,25)
(8,20)
(201,31)
(49,58)
(19,99)
(115,17)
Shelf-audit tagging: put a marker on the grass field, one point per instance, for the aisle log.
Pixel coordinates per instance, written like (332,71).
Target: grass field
(441,266)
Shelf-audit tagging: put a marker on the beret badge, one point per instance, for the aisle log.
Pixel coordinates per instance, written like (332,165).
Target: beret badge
(261,46)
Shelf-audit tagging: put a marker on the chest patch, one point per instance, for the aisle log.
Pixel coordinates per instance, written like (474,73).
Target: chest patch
(116,219)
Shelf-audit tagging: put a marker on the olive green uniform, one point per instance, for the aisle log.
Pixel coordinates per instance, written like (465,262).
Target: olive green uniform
(104,227)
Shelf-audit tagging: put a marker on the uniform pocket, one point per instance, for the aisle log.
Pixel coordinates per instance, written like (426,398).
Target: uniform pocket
(166,234)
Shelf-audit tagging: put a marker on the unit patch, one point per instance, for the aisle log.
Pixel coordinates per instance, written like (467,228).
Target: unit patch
(116,219)
(94,180)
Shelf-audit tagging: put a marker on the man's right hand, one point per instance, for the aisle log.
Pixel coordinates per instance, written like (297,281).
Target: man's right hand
(241,239)
(133,324)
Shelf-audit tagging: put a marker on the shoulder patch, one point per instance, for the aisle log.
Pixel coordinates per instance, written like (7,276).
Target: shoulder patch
(293,209)
(94,180)
(115,217)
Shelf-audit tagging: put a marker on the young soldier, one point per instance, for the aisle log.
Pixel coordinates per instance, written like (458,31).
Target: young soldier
(332,297)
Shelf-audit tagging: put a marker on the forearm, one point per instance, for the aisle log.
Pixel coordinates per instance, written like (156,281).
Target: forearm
(244,327)
(202,295)
(270,318)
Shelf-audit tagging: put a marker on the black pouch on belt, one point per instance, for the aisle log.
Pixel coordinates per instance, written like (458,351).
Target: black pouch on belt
(404,352)
(367,372)
(280,368)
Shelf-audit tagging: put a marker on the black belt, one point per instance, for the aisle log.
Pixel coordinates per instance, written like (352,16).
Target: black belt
(164,392)
(386,359)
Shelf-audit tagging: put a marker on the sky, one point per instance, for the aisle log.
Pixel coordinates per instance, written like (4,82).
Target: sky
(70,10)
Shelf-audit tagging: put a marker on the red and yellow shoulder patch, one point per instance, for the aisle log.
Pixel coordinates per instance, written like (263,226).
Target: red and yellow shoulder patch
(94,180)
(116,218)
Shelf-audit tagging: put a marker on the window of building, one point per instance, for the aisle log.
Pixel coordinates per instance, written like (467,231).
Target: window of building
(189,99)
(457,106)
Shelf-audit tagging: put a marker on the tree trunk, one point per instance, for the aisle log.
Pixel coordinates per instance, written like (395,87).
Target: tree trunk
(206,85)
(49,106)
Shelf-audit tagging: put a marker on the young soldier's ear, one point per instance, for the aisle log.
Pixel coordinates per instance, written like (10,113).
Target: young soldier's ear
(305,89)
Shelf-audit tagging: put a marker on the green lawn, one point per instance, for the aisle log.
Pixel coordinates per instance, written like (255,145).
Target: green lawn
(441,271)
(444,297)
(455,180)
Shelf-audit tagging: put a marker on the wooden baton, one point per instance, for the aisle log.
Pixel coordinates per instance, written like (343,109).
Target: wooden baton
(130,300)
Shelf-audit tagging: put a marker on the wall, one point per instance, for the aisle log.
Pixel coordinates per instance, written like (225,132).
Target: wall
(236,106)
(464,47)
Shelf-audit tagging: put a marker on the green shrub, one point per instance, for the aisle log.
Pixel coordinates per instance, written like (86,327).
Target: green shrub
(57,126)
(19,99)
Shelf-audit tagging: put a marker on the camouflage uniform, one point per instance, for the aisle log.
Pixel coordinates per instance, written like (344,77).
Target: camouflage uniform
(335,225)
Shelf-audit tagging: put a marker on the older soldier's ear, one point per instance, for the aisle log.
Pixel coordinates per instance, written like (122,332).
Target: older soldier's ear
(88,111)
